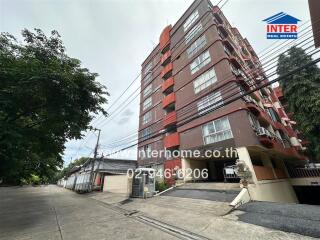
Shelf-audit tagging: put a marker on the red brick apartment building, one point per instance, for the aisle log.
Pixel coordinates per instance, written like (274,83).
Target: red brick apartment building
(202,61)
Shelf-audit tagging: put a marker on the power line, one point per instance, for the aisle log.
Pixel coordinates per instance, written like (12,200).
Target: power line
(154,78)
(224,4)
(235,92)
(138,88)
(232,100)
(189,108)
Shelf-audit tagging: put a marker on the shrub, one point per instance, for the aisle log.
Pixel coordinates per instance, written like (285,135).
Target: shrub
(161,186)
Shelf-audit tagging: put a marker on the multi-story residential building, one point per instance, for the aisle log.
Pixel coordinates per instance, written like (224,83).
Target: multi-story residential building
(287,116)
(188,81)
(314,7)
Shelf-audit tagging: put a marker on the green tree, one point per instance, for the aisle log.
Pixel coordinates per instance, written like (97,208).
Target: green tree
(46,98)
(302,91)
(65,171)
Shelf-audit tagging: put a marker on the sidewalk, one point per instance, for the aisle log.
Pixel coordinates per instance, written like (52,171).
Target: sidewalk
(203,217)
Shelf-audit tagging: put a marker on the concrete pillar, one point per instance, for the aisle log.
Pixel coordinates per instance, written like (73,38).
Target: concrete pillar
(244,155)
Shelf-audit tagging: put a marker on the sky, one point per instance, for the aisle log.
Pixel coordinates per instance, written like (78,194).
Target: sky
(113,37)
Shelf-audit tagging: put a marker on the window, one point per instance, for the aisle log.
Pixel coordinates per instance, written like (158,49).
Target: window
(147,79)
(147,103)
(145,133)
(148,68)
(227,51)
(147,90)
(257,161)
(209,102)
(273,114)
(146,151)
(191,19)
(285,139)
(147,117)
(254,122)
(200,62)
(196,46)
(235,70)
(193,32)
(217,131)
(204,80)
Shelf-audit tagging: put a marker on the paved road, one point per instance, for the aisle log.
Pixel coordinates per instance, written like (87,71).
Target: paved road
(296,218)
(212,195)
(52,213)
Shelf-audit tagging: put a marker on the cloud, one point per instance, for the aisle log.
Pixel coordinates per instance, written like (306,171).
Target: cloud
(101,34)
(123,120)
(127,113)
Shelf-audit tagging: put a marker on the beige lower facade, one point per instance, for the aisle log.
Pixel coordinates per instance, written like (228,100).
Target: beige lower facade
(268,183)
(117,184)
(269,177)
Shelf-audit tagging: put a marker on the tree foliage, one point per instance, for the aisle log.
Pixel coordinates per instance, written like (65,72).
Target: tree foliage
(46,98)
(66,170)
(302,91)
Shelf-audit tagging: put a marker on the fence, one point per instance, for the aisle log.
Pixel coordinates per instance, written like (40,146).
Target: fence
(304,172)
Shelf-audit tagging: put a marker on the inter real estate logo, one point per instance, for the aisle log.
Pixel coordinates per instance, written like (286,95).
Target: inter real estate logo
(282,26)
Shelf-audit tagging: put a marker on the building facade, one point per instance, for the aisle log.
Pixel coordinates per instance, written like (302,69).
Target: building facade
(314,7)
(191,89)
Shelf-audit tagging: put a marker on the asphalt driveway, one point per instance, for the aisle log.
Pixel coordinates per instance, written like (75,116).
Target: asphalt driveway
(205,194)
(297,218)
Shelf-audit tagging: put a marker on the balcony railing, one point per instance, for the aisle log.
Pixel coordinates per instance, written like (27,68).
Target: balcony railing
(263,173)
(171,140)
(166,70)
(171,98)
(261,131)
(166,58)
(167,84)
(169,119)
(165,38)
(304,172)
(250,99)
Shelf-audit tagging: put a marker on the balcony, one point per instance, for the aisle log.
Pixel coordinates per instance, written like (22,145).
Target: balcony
(234,59)
(305,142)
(244,82)
(260,114)
(266,102)
(290,114)
(282,113)
(280,173)
(223,30)
(266,138)
(263,173)
(228,44)
(167,84)
(277,125)
(171,140)
(290,131)
(216,11)
(166,58)
(245,53)
(166,71)
(165,38)
(250,64)
(169,99)
(170,119)
(278,92)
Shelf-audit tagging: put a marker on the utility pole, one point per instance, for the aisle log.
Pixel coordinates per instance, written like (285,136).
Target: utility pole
(94,159)
(97,169)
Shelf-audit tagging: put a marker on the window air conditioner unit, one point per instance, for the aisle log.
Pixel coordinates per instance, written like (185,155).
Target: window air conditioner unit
(263,132)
